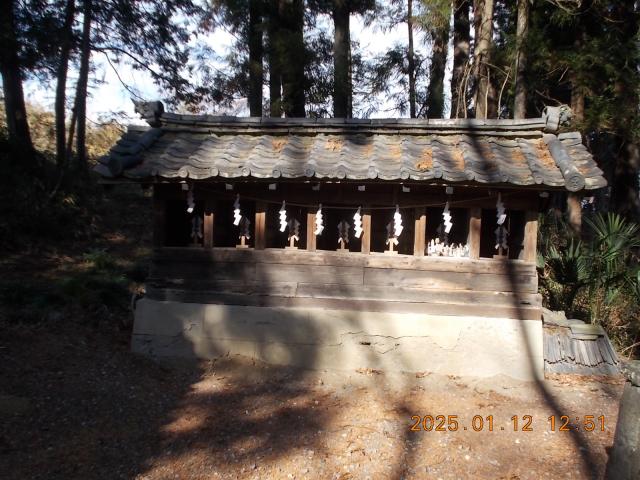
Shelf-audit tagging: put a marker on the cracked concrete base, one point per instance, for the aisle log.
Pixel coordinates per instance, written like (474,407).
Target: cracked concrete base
(342,339)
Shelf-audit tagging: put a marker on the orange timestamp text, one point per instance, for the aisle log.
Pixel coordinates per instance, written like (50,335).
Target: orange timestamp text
(517,423)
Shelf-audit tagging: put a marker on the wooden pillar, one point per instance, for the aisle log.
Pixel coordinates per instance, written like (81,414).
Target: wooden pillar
(574,211)
(159,224)
(420,231)
(209,218)
(311,227)
(530,236)
(366,231)
(475,229)
(260,224)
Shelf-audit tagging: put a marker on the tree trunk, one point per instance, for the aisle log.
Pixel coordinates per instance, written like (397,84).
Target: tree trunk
(483,22)
(17,125)
(342,90)
(411,61)
(256,52)
(435,95)
(522,29)
(61,85)
(292,58)
(461,41)
(275,72)
(83,82)
(625,197)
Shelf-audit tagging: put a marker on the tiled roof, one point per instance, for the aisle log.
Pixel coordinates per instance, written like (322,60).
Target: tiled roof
(571,346)
(517,152)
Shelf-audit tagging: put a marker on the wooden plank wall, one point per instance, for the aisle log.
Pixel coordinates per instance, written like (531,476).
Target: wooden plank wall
(405,283)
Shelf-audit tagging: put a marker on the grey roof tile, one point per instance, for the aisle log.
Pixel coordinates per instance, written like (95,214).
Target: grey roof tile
(483,151)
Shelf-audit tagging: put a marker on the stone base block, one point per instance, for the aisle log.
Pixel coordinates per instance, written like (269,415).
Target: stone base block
(342,339)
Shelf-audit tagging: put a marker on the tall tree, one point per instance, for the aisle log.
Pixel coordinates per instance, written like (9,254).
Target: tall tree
(293,57)
(83,83)
(66,45)
(520,100)
(411,61)
(10,68)
(439,19)
(461,43)
(342,87)
(287,58)
(483,24)
(343,62)
(274,57)
(256,53)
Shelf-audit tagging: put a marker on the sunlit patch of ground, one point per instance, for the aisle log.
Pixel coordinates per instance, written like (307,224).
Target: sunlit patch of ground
(84,407)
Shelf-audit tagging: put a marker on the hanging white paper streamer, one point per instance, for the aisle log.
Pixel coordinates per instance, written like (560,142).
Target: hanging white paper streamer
(397,223)
(391,238)
(294,229)
(191,204)
(343,231)
(196,228)
(501,237)
(319,225)
(357,223)
(283,217)
(446,216)
(236,211)
(245,228)
(500,211)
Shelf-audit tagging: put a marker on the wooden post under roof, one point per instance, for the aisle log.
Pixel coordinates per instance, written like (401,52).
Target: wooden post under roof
(530,236)
(209,220)
(475,229)
(365,243)
(159,225)
(574,211)
(420,231)
(311,227)
(260,235)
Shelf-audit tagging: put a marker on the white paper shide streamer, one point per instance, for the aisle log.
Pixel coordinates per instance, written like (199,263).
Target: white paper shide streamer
(319,220)
(237,216)
(394,228)
(343,232)
(191,204)
(283,217)
(357,223)
(294,229)
(500,211)
(196,228)
(501,231)
(446,216)
(397,222)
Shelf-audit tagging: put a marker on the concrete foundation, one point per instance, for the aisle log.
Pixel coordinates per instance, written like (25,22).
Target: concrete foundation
(342,339)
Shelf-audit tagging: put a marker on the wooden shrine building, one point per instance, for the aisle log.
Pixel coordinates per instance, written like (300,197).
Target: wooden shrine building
(404,244)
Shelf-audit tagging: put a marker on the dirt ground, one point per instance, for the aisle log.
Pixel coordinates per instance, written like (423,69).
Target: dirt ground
(74,403)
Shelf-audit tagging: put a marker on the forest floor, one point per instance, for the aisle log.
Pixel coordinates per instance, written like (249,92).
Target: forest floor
(75,403)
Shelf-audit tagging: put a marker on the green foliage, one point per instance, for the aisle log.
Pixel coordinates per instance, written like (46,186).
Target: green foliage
(598,279)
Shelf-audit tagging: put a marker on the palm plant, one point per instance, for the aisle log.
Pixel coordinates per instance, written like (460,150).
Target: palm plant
(601,265)
(610,251)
